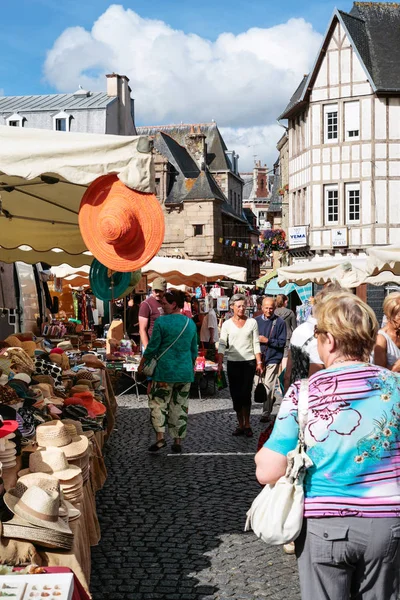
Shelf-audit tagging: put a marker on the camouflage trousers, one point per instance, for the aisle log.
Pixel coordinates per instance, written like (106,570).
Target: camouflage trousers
(168,403)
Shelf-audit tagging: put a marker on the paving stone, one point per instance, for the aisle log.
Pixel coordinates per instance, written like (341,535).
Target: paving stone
(172,525)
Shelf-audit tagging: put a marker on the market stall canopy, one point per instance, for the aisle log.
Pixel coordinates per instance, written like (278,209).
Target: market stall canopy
(303,291)
(176,271)
(383,258)
(260,283)
(349,273)
(191,272)
(43,176)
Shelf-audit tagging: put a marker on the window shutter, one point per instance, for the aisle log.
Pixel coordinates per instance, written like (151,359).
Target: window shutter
(352,120)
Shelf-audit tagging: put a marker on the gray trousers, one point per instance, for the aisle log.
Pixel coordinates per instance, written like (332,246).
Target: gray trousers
(343,558)
(270,377)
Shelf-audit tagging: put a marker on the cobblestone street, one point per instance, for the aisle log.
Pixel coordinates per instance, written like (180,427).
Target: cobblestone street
(172,525)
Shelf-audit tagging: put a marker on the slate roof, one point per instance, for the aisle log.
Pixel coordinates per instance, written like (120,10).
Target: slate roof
(54,102)
(381,36)
(295,99)
(248,179)
(275,203)
(250,217)
(216,147)
(177,155)
(205,188)
(374,32)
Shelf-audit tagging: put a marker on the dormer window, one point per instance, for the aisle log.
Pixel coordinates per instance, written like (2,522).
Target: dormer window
(61,121)
(15,120)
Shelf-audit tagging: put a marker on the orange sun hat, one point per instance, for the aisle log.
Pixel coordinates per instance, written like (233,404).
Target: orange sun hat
(123,228)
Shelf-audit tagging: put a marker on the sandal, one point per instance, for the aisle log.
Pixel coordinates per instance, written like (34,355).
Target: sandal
(157,446)
(238,431)
(248,432)
(176,448)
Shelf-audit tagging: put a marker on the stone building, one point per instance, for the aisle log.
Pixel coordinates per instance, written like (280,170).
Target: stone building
(256,192)
(83,111)
(200,189)
(344,137)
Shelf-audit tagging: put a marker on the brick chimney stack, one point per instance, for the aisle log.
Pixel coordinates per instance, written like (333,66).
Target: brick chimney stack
(260,177)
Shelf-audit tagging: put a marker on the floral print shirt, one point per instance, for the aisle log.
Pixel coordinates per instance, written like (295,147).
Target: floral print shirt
(353,439)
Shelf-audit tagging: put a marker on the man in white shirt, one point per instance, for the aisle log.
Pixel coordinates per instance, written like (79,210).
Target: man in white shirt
(209,328)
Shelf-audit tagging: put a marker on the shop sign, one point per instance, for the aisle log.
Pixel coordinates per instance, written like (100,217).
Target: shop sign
(339,237)
(298,236)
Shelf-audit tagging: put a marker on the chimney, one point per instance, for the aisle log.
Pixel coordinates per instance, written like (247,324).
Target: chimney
(197,147)
(118,87)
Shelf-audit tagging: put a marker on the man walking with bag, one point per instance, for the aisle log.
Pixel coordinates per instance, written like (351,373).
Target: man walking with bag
(272,330)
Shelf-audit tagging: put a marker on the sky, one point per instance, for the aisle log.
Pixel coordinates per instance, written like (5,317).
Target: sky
(236,62)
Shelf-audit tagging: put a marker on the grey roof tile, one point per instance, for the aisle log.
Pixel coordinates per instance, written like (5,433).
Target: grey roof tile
(295,99)
(54,102)
(205,188)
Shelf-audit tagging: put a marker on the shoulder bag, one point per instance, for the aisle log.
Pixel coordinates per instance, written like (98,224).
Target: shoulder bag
(150,367)
(276,515)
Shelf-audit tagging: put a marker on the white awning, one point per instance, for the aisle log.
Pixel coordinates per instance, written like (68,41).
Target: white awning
(43,176)
(383,258)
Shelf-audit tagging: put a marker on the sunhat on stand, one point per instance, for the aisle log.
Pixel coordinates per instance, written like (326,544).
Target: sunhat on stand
(123,228)
(38,507)
(55,434)
(52,461)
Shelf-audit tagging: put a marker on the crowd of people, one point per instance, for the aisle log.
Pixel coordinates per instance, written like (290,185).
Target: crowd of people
(349,546)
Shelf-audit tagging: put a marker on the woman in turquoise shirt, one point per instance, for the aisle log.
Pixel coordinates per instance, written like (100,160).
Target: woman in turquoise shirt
(175,334)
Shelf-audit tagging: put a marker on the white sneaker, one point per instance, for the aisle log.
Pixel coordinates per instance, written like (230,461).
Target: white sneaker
(289,548)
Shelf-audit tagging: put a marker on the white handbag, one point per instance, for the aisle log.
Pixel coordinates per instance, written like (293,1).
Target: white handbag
(150,367)
(276,515)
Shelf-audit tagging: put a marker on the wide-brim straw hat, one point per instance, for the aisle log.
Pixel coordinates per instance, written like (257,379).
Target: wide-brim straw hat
(123,228)
(49,483)
(78,389)
(55,434)
(52,461)
(76,424)
(92,361)
(39,507)
(86,399)
(21,529)
(29,348)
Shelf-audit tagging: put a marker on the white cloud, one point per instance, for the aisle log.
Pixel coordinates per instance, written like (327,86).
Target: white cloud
(241,81)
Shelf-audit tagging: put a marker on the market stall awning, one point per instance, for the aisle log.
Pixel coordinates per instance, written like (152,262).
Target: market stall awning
(175,271)
(273,289)
(383,258)
(260,283)
(43,175)
(191,272)
(349,273)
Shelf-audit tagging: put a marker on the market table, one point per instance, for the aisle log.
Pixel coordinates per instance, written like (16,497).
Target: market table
(209,373)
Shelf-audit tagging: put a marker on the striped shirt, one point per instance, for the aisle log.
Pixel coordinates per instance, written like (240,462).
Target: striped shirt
(353,439)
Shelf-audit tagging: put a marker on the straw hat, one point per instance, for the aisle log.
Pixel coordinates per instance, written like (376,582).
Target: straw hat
(85,383)
(19,528)
(52,461)
(49,483)
(19,358)
(29,347)
(76,424)
(77,389)
(13,341)
(65,345)
(38,507)
(122,227)
(55,434)
(83,374)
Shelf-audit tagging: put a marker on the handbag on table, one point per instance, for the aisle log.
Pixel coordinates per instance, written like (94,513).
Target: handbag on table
(276,514)
(150,367)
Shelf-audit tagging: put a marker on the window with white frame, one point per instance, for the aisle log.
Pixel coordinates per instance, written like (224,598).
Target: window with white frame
(352,121)
(61,121)
(331,123)
(331,204)
(15,120)
(352,202)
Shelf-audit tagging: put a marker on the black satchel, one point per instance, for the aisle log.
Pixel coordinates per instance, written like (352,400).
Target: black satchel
(260,393)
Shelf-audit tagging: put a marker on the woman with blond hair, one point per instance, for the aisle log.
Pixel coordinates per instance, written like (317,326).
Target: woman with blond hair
(387,347)
(349,546)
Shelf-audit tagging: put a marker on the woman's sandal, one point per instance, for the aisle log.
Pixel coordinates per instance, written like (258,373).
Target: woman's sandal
(176,448)
(248,432)
(157,446)
(238,431)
